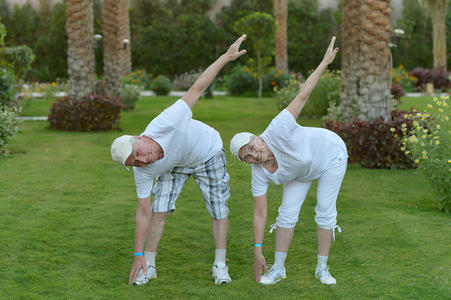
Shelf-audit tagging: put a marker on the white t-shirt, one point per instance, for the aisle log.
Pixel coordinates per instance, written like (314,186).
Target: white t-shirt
(302,153)
(185,142)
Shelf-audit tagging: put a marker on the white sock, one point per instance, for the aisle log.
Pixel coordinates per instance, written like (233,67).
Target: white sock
(322,261)
(220,255)
(279,259)
(150,257)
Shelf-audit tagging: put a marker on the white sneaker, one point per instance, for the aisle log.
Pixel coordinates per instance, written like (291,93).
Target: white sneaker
(322,273)
(143,279)
(273,276)
(220,273)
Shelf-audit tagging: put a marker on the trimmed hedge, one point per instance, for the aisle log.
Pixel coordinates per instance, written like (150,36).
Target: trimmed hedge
(373,144)
(91,113)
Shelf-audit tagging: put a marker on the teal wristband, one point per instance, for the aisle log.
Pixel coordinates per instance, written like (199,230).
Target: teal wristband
(257,245)
(138,254)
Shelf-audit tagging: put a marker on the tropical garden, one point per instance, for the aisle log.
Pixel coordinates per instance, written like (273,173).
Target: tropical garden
(74,74)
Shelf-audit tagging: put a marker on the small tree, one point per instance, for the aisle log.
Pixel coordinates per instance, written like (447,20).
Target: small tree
(260,29)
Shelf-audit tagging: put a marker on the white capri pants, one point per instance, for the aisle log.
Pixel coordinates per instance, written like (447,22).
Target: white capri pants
(294,193)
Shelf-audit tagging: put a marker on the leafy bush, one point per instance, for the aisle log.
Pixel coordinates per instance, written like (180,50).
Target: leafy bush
(185,80)
(161,85)
(241,80)
(129,96)
(7,84)
(286,94)
(375,144)
(401,76)
(18,58)
(440,79)
(139,78)
(326,90)
(8,126)
(275,78)
(397,91)
(429,145)
(92,113)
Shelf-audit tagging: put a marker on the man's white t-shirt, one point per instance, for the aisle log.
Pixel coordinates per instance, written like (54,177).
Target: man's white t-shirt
(185,142)
(302,153)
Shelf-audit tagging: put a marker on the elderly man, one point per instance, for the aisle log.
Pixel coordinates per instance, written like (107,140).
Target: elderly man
(289,154)
(173,147)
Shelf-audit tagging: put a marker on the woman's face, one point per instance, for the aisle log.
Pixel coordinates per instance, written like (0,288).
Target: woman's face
(255,152)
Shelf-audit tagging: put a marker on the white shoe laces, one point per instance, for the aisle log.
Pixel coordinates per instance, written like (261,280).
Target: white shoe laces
(333,230)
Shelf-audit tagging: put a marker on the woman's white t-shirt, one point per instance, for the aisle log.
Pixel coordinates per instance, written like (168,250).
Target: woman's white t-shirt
(302,153)
(185,142)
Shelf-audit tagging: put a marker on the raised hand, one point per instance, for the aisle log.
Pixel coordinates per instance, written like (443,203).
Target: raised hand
(234,50)
(330,52)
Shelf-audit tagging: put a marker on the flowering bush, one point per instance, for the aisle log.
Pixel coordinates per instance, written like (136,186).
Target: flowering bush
(401,76)
(139,77)
(161,85)
(275,79)
(429,145)
(8,126)
(374,144)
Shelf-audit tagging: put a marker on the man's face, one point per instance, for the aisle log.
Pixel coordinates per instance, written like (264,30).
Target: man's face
(144,151)
(255,152)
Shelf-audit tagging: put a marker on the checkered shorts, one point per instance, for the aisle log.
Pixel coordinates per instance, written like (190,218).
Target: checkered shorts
(212,178)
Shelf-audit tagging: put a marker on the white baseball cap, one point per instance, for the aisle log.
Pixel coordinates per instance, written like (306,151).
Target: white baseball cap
(121,149)
(239,140)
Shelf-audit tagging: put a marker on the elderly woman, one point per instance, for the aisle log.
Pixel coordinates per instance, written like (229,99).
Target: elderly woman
(289,154)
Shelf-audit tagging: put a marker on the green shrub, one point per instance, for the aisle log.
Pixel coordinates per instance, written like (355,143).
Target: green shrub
(19,59)
(429,144)
(7,84)
(286,94)
(326,91)
(129,96)
(241,80)
(161,85)
(8,126)
(92,113)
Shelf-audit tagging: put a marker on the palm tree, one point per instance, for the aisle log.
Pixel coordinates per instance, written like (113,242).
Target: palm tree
(366,65)
(281,14)
(80,52)
(116,55)
(437,10)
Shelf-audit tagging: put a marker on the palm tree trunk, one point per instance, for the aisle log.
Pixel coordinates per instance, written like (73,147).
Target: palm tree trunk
(350,52)
(438,10)
(80,51)
(281,14)
(366,75)
(116,56)
(375,83)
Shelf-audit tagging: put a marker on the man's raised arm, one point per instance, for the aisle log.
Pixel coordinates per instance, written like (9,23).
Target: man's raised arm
(299,101)
(204,80)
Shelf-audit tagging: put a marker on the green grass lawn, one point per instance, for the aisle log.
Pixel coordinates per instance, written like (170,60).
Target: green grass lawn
(67,222)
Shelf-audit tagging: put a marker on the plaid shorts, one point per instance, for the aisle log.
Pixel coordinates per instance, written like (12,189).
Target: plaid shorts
(212,178)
